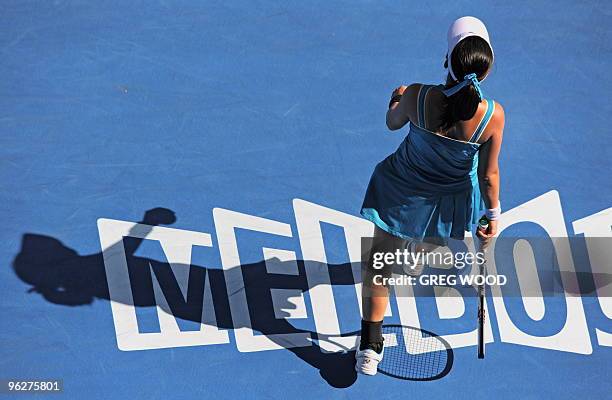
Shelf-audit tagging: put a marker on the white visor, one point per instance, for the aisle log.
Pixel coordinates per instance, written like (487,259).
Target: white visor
(459,30)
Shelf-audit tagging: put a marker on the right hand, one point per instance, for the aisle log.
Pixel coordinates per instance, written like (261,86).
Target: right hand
(488,234)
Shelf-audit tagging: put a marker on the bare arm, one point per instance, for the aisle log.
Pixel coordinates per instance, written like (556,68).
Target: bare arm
(488,165)
(400,112)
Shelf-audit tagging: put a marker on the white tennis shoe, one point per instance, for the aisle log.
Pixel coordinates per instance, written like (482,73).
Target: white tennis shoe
(367,361)
(413,269)
(417,264)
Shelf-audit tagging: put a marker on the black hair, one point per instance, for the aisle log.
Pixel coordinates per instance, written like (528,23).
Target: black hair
(471,55)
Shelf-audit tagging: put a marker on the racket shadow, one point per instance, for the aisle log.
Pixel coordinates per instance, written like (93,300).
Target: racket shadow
(415,354)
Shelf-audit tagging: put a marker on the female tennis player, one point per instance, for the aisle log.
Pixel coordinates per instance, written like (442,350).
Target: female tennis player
(441,178)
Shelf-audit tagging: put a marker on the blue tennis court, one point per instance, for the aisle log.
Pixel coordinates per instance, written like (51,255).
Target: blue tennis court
(181,186)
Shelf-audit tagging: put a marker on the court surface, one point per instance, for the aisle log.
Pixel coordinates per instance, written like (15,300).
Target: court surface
(246,132)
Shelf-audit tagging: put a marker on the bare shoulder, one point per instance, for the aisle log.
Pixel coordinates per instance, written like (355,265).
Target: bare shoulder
(411,95)
(495,127)
(413,89)
(498,120)
(499,116)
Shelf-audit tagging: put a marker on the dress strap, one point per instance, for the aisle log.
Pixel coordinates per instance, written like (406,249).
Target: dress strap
(484,121)
(421,105)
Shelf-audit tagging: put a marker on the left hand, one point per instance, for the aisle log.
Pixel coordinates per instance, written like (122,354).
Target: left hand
(399,90)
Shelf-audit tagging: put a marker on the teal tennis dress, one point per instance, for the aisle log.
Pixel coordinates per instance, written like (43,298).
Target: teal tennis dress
(428,188)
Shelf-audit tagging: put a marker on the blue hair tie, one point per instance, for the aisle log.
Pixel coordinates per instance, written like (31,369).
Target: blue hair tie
(469,79)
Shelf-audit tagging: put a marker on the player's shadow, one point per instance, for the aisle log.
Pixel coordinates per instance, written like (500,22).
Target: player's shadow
(62,276)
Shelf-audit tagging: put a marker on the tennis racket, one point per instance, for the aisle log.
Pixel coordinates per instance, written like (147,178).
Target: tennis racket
(483,224)
(414,354)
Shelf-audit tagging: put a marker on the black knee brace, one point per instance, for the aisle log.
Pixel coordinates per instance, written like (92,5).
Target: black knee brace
(371,336)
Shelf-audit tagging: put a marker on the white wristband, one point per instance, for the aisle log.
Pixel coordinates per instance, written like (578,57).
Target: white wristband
(493,214)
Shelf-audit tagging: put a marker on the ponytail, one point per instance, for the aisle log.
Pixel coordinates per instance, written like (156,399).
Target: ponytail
(472,55)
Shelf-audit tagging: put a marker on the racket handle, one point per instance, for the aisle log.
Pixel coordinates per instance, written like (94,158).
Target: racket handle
(483,223)
(481,321)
